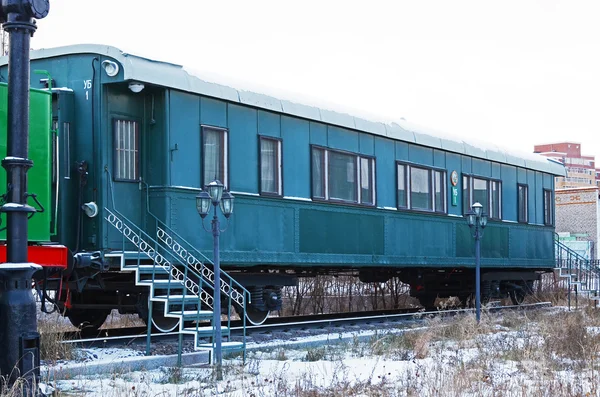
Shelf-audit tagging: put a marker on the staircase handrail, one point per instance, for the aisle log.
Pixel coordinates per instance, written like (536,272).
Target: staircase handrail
(587,263)
(190,247)
(152,252)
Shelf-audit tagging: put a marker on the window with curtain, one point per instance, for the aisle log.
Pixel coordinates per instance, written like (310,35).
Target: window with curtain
(214,154)
(522,205)
(402,197)
(318,173)
(480,194)
(270,166)
(420,188)
(487,192)
(126,150)
(342,176)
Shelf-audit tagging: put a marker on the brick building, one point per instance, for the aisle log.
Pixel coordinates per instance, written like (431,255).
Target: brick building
(581,169)
(577,213)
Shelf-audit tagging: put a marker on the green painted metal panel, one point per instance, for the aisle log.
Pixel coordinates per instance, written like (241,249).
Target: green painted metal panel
(453,163)
(532,199)
(509,192)
(296,155)
(213,112)
(482,167)
(439,158)
(243,149)
(528,242)
(385,170)
(420,236)
(366,144)
(38,177)
(521,175)
(331,232)
(494,243)
(420,154)
(184,140)
(496,172)
(269,123)
(539,198)
(343,139)
(160,165)
(401,151)
(466,164)
(318,134)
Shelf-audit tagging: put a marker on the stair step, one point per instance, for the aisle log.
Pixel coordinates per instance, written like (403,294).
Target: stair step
(228,346)
(162,283)
(176,298)
(205,330)
(194,314)
(148,269)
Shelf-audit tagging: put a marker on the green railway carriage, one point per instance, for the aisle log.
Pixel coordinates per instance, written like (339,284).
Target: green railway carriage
(316,191)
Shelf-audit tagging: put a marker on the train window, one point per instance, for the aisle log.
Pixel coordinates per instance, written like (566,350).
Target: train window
(318,173)
(426,188)
(439,187)
(270,166)
(485,191)
(402,198)
(342,176)
(522,203)
(214,154)
(548,210)
(420,189)
(126,144)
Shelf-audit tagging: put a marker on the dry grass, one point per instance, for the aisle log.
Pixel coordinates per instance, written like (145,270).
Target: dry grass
(52,329)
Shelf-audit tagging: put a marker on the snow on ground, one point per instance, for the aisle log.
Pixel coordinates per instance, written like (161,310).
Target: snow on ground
(499,361)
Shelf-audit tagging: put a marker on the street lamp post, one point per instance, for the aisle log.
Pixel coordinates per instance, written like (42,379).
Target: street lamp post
(217,197)
(477,220)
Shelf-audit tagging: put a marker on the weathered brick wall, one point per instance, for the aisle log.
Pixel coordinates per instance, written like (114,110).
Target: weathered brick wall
(577,212)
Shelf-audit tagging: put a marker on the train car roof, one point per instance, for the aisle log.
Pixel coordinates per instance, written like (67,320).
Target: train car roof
(146,70)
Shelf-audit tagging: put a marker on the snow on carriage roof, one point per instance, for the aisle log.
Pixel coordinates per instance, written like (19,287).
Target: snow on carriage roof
(147,70)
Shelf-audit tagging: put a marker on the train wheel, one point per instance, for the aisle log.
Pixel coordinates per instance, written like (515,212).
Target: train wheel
(87,320)
(254,316)
(159,321)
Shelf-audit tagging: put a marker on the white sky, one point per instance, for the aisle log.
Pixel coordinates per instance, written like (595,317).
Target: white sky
(514,73)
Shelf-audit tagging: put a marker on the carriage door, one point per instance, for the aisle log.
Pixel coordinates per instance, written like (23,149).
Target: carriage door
(64,190)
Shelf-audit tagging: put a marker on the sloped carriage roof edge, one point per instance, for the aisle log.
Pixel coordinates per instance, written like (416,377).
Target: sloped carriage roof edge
(171,75)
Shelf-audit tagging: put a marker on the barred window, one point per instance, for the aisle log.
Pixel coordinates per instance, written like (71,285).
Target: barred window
(126,144)
(270,166)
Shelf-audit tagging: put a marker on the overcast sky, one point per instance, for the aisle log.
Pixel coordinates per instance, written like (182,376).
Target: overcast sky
(514,73)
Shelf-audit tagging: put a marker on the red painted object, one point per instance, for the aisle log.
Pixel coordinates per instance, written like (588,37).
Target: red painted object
(44,255)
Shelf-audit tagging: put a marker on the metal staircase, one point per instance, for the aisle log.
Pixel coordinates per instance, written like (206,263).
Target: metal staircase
(180,281)
(581,275)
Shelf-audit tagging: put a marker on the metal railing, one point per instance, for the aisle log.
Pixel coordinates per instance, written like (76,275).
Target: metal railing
(582,274)
(185,273)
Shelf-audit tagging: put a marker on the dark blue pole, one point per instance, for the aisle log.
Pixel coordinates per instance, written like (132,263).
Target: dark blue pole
(217,293)
(477,273)
(19,340)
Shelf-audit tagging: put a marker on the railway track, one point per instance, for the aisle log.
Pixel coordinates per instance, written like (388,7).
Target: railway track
(286,327)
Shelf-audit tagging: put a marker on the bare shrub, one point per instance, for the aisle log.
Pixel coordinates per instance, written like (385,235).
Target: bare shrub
(52,330)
